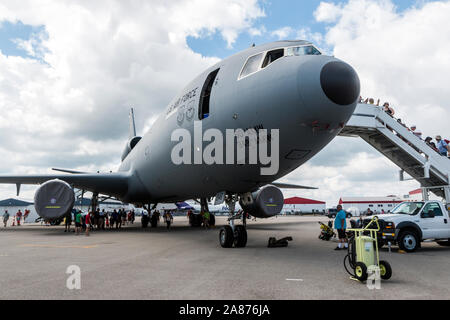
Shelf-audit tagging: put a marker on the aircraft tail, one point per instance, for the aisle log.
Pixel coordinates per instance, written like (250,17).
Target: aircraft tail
(132,130)
(133,138)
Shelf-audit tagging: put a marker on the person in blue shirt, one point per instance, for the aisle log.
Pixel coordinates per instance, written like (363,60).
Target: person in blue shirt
(442,146)
(340,224)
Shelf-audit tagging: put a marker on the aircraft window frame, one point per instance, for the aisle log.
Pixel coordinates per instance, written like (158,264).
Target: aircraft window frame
(264,65)
(264,55)
(303,45)
(246,62)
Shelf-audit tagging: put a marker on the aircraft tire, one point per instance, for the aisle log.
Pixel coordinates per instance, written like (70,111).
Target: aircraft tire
(195,220)
(144,221)
(240,236)
(226,237)
(153,222)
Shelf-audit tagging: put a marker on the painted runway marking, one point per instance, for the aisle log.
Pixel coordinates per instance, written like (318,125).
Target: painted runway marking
(58,247)
(300,280)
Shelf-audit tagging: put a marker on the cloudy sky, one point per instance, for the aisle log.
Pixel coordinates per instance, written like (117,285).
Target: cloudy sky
(70,70)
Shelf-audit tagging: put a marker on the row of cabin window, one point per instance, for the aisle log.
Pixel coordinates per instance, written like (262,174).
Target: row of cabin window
(254,62)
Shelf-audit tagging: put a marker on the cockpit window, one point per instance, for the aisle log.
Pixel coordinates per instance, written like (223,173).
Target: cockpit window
(252,65)
(272,56)
(302,51)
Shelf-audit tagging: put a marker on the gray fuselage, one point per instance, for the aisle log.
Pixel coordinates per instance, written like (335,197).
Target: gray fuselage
(288,94)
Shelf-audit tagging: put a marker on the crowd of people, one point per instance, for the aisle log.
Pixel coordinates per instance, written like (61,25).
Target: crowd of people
(156,215)
(106,220)
(442,146)
(19,217)
(98,220)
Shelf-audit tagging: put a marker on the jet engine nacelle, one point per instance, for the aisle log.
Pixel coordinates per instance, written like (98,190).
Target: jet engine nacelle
(129,146)
(264,203)
(54,199)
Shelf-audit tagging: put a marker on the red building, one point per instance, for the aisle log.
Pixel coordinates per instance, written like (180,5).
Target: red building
(303,205)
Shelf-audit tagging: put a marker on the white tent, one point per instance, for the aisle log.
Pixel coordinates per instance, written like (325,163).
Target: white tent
(166,206)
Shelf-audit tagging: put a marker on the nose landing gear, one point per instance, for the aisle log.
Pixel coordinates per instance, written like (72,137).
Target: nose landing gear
(233,235)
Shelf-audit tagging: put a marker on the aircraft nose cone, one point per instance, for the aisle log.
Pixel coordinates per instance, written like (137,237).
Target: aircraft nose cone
(340,83)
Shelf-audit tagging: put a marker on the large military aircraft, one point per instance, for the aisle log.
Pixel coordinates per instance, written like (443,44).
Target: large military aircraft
(297,98)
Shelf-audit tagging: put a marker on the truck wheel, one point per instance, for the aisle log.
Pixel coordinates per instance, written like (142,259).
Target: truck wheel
(226,237)
(361,271)
(444,243)
(408,241)
(385,270)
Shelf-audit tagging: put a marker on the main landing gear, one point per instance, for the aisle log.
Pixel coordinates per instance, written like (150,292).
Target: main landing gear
(197,220)
(233,235)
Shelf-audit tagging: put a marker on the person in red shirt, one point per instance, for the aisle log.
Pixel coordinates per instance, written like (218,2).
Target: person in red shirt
(19,217)
(88,224)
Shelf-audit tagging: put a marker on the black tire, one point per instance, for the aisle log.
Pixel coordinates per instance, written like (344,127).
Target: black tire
(226,237)
(385,270)
(240,236)
(212,220)
(361,271)
(154,222)
(195,220)
(144,222)
(444,243)
(408,241)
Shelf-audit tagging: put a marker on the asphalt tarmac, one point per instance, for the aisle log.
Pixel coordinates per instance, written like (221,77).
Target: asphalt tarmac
(187,263)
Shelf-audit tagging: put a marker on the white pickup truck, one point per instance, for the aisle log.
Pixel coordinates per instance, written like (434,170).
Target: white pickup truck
(412,222)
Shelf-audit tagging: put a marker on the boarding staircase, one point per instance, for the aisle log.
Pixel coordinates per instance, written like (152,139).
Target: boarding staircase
(402,147)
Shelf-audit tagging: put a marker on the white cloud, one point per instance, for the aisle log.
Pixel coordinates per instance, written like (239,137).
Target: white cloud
(282,33)
(257,32)
(327,12)
(400,57)
(98,58)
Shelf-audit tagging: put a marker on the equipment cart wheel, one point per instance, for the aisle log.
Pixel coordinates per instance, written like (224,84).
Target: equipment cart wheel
(240,236)
(361,271)
(226,237)
(385,270)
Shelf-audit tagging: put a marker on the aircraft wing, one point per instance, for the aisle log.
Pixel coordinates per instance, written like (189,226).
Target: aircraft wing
(291,186)
(113,184)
